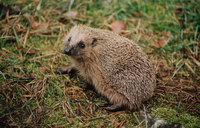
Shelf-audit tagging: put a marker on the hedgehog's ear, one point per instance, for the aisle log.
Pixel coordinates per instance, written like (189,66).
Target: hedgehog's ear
(94,41)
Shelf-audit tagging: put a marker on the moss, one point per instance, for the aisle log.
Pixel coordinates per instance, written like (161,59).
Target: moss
(56,118)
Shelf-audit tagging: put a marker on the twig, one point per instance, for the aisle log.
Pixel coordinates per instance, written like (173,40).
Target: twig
(145,115)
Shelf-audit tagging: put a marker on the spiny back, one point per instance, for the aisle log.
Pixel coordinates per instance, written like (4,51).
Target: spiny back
(123,65)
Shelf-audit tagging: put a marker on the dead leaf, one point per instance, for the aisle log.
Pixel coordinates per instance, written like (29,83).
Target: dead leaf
(72,14)
(67,16)
(36,25)
(167,33)
(39,26)
(179,9)
(42,69)
(160,42)
(117,26)
(32,75)
(137,14)
(16,75)
(42,26)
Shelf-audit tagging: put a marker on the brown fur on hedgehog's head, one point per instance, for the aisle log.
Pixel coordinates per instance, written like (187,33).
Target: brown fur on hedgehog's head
(79,43)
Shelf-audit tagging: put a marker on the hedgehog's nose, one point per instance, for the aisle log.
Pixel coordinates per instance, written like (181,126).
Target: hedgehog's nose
(67,51)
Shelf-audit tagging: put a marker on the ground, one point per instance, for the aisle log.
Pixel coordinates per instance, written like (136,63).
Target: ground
(32,94)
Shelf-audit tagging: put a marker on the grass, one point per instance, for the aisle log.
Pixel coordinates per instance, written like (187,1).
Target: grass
(32,94)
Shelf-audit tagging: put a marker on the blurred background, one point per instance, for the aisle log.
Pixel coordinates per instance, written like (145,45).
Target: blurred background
(31,33)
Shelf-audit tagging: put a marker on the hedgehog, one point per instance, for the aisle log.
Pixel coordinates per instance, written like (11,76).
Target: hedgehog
(114,65)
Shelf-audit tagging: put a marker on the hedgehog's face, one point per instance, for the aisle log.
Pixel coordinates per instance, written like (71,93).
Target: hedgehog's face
(78,45)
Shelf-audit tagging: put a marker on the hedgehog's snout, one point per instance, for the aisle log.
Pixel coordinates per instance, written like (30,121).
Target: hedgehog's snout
(67,51)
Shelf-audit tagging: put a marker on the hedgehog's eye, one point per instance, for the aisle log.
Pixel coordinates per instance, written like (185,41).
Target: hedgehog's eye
(81,45)
(69,39)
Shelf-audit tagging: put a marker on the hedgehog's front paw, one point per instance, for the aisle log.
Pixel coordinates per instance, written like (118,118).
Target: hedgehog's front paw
(83,85)
(66,70)
(63,70)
